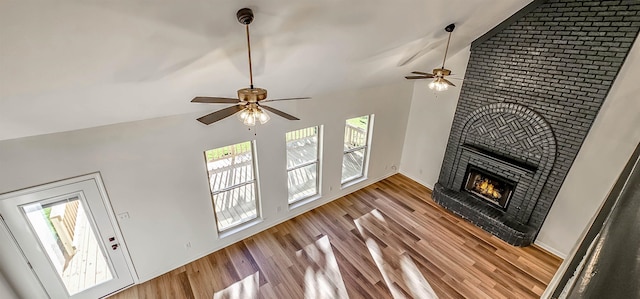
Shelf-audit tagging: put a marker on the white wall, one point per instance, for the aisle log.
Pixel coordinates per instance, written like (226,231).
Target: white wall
(155,171)
(607,148)
(6,291)
(429,125)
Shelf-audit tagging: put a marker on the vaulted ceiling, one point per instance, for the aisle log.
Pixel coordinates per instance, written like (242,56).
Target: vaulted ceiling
(67,65)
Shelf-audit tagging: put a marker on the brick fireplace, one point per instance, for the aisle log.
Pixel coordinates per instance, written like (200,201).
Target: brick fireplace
(535,84)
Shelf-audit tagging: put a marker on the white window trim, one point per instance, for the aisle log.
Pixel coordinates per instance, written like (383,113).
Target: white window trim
(316,161)
(365,158)
(242,225)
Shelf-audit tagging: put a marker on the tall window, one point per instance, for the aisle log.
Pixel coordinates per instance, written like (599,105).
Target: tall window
(356,136)
(232,179)
(303,163)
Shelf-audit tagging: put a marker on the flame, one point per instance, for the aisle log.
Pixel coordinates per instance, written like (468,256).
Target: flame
(487,189)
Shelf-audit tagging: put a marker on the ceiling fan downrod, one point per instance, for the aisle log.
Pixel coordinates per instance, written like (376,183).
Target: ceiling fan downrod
(449,29)
(245,17)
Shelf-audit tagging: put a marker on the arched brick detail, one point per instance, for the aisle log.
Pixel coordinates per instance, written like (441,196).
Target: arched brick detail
(514,131)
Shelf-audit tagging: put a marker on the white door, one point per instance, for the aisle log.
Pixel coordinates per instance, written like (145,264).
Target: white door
(66,232)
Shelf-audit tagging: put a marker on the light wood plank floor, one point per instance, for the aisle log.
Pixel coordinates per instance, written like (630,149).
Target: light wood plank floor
(388,240)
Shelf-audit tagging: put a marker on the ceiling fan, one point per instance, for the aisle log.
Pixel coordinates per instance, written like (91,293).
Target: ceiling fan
(439,75)
(249,101)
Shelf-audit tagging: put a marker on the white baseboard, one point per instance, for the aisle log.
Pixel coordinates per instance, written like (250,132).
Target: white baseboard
(546,247)
(419,180)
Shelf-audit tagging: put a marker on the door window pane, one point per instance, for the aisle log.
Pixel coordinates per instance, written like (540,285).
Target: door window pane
(66,235)
(233,185)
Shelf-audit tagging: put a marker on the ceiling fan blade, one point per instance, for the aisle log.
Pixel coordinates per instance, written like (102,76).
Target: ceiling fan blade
(220,114)
(417,54)
(418,77)
(286,99)
(448,82)
(214,100)
(422,73)
(280,113)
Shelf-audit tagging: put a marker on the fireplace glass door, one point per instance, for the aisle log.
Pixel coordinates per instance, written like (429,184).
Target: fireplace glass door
(488,186)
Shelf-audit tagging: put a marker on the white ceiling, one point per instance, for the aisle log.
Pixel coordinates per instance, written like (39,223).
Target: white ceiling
(67,65)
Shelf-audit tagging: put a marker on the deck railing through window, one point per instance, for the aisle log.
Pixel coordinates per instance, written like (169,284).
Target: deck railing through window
(355,148)
(63,219)
(301,134)
(354,136)
(225,152)
(232,180)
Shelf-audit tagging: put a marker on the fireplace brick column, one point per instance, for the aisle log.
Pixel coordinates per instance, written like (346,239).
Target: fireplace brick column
(555,62)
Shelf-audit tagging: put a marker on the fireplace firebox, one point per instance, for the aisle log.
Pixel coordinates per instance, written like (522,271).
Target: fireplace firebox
(488,186)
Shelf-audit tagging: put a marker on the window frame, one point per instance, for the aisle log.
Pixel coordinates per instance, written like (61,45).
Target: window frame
(254,181)
(317,162)
(365,156)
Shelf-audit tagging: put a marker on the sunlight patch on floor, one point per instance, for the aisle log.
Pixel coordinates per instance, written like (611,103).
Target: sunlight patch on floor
(322,275)
(247,288)
(399,272)
(418,285)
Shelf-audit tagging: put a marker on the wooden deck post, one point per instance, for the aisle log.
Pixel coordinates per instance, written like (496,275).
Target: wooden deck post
(63,218)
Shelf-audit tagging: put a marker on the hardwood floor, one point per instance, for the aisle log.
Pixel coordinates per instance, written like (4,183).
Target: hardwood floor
(388,240)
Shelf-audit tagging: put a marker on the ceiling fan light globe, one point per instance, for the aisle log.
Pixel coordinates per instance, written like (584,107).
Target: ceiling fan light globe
(250,120)
(263,117)
(243,114)
(438,85)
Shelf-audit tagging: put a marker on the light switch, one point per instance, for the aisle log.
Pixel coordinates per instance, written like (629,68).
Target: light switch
(123,216)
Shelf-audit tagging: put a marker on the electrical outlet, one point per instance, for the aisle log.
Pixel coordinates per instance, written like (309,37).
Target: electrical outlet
(188,245)
(123,216)
(279,209)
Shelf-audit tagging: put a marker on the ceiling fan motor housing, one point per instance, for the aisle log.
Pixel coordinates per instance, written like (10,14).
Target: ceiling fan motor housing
(245,16)
(440,71)
(252,95)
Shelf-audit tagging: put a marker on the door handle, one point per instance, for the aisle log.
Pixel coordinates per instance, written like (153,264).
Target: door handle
(114,246)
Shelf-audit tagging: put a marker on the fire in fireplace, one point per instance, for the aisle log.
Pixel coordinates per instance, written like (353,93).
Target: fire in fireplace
(488,186)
